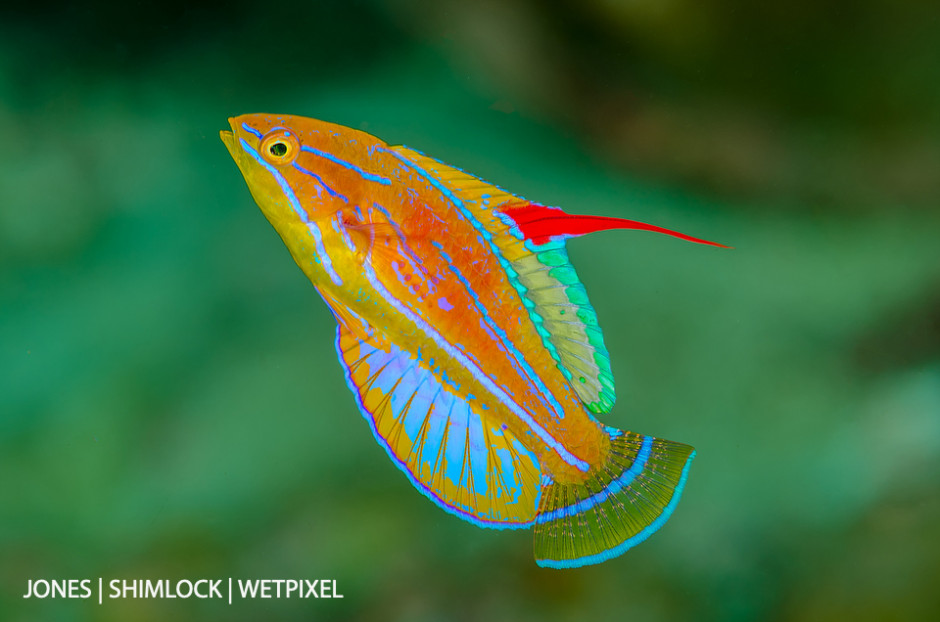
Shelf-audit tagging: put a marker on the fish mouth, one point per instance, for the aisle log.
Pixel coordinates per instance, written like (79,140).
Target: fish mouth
(228,137)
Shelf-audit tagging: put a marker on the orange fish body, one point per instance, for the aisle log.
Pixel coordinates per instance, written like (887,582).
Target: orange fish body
(465,336)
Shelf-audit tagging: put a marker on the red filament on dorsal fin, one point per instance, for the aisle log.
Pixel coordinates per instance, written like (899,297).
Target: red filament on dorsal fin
(540,223)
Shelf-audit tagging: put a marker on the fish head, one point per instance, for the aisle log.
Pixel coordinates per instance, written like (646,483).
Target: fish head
(290,164)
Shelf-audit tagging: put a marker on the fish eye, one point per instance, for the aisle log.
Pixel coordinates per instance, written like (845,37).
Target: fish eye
(280,146)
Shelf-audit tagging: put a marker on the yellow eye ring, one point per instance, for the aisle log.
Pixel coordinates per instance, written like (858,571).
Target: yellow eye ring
(280,146)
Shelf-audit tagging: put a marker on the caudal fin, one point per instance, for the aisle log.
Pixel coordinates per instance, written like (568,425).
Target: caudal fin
(625,501)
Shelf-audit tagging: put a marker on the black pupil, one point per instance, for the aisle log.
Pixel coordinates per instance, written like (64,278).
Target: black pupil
(278,149)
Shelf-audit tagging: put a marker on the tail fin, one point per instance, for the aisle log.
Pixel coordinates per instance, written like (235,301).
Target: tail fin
(624,501)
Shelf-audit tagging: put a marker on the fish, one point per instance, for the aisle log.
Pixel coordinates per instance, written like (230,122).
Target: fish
(465,335)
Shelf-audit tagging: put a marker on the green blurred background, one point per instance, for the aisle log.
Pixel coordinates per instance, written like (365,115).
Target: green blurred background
(170,402)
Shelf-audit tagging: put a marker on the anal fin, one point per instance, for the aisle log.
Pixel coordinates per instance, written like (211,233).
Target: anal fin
(453,452)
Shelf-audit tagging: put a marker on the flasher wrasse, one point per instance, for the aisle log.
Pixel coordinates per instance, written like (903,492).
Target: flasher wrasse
(465,335)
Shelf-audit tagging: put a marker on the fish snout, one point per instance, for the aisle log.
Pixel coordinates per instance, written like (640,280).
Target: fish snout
(228,137)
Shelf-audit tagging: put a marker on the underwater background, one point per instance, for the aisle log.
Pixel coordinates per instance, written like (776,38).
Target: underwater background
(171,406)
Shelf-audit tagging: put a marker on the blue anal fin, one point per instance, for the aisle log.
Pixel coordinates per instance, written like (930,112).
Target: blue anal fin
(452,449)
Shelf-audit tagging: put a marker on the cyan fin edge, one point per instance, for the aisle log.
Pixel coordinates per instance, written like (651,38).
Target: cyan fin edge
(569,534)
(541,274)
(423,487)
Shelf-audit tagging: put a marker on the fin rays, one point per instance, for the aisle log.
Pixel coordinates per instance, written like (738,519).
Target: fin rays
(621,504)
(450,452)
(541,274)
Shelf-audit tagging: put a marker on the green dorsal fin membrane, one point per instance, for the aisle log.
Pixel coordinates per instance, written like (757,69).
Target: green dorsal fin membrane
(542,274)
(454,452)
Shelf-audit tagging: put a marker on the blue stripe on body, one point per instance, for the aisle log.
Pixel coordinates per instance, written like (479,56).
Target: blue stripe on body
(321,254)
(417,483)
(333,193)
(447,192)
(332,158)
(514,230)
(488,237)
(478,373)
(416,261)
(629,543)
(498,334)
(340,228)
(252,130)
(626,478)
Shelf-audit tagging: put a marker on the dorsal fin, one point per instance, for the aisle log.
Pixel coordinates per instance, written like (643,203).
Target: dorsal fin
(541,224)
(547,282)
